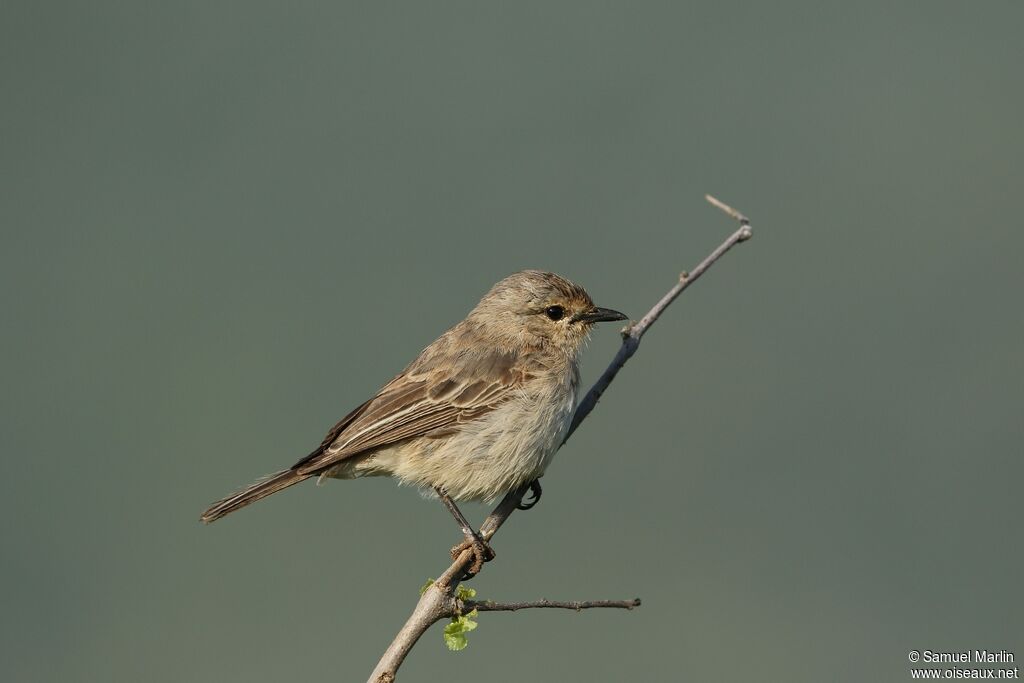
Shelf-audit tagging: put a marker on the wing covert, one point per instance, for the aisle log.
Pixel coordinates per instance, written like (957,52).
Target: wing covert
(428,399)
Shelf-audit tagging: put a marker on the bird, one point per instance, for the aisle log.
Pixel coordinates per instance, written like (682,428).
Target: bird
(478,413)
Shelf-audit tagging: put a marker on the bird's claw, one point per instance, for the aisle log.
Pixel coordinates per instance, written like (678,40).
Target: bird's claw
(482,552)
(534,492)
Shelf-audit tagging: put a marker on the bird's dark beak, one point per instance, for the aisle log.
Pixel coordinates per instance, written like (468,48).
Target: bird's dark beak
(599,315)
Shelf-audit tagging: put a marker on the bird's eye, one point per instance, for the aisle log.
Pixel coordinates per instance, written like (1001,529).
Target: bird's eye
(554,312)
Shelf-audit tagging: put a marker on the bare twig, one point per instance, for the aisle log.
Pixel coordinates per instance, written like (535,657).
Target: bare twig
(438,600)
(632,333)
(578,605)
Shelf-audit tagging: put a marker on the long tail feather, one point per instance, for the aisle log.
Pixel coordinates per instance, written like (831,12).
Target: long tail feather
(261,489)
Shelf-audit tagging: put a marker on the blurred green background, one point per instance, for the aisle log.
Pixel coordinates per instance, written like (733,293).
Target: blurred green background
(225,225)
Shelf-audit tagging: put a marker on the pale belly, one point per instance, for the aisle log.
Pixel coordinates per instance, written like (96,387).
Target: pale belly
(509,447)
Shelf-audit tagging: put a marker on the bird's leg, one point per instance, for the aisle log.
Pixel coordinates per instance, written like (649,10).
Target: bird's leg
(482,552)
(535,492)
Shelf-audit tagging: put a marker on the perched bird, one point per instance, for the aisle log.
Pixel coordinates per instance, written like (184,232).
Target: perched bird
(479,413)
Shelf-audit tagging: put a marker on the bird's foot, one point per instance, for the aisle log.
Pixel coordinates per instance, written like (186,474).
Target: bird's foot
(534,494)
(482,552)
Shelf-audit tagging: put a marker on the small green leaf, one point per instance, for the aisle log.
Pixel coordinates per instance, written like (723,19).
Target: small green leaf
(455,632)
(463,593)
(424,587)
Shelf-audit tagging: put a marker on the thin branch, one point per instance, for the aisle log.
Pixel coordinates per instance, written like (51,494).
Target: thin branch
(438,600)
(632,333)
(578,605)
(719,204)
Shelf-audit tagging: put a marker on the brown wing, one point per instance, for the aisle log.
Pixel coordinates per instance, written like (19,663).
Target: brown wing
(441,390)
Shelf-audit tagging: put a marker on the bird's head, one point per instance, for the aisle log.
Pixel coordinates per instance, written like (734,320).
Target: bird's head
(538,309)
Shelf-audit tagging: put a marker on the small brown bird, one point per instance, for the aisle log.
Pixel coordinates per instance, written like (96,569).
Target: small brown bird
(479,413)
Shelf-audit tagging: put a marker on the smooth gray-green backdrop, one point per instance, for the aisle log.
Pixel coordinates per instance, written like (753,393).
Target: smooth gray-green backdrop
(225,225)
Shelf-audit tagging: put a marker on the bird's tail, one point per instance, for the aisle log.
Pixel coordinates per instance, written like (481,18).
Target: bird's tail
(261,489)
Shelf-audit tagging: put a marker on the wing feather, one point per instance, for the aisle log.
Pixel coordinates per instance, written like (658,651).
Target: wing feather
(433,397)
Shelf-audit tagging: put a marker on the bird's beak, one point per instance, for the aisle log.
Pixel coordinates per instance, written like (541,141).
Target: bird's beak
(599,315)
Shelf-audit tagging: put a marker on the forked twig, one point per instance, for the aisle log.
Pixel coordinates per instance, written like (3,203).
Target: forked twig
(439,600)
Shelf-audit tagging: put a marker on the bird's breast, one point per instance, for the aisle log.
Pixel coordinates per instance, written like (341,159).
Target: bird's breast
(508,447)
